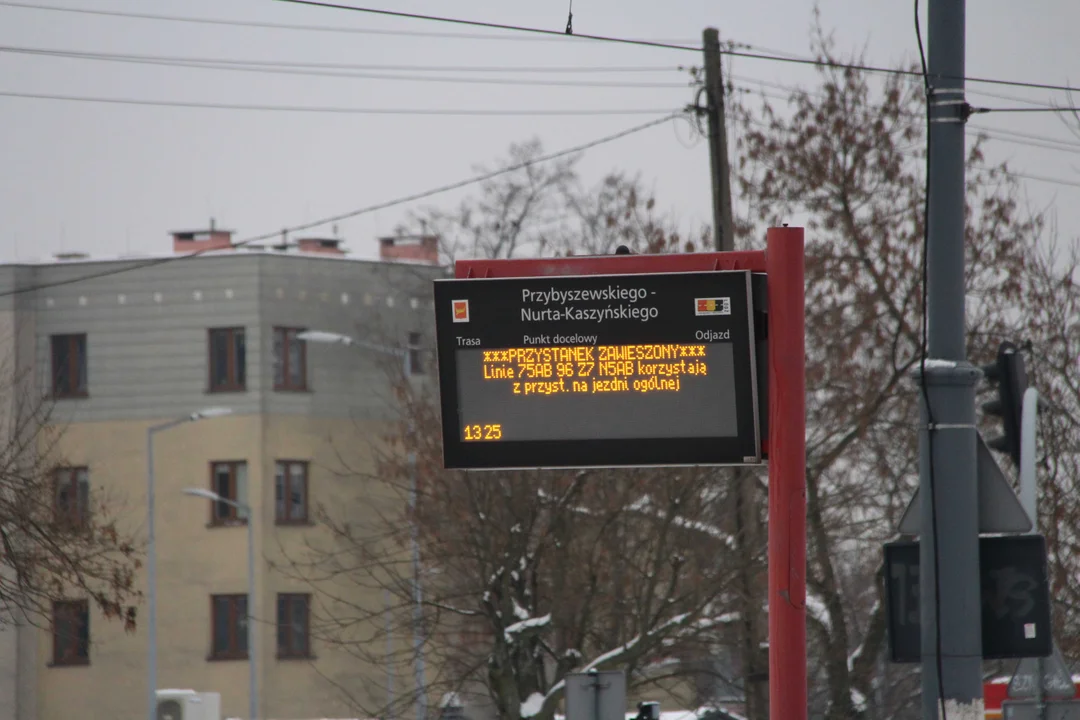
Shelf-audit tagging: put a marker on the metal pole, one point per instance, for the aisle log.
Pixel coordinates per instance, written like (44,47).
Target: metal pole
(151,583)
(253,696)
(784,265)
(718,156)
(151,569)
(389,655)
(418,631)
(1028,483)
(949,538)
(1029,495)
(595,674)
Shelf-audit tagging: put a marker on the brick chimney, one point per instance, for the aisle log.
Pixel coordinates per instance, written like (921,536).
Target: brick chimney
(187,241)
(417,248)
(323,246)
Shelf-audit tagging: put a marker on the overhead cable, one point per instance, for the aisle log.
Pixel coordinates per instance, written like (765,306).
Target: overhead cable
(363,66)
(519,33)
(494,26)
(285,26)
(239,66)
(359,211)
(339,110)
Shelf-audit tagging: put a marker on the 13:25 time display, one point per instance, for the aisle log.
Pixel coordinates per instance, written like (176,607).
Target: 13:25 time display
(483,432)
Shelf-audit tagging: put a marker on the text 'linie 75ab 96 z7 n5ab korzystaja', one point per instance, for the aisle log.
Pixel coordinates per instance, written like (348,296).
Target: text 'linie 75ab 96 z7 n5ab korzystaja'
(580,371)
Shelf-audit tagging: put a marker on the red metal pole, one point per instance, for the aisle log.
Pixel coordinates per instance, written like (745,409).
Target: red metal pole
(784,262)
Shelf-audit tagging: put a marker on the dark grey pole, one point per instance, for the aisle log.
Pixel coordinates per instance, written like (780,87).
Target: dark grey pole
(949,547)
(252,631)
(151,570)
(151,583)
(718,154)
(418,616)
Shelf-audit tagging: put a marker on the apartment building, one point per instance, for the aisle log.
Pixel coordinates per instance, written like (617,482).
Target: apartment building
(142,344)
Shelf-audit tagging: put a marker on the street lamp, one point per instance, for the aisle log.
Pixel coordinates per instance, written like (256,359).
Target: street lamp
(151,550)
(253,698)
(333,338)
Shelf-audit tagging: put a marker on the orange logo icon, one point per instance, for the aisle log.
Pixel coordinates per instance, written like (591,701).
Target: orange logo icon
(461,310)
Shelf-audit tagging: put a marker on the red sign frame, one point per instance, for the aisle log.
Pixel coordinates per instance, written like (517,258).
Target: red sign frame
(783,263)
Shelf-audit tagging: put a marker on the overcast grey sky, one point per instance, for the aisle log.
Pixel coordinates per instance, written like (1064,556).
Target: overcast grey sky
(109,179)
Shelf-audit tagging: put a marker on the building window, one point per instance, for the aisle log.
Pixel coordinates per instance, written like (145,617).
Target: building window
(290,360)
(228,360)
(413,363)
(228,480)
(230,627)
(69,366)
(293,614)
(71,632)
(71,497)
(291,492)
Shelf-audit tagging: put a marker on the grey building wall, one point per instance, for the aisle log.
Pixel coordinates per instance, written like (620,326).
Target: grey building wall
(147,330)
(18,691)
(148,357)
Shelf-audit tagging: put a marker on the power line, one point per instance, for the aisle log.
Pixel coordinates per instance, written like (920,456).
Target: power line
(494,26)
(1007,136)
(361,211)
(975,130)
(285,26)
(1014,98)
(1029,109)
(543,34)
(360,66)
(339,110)
(886,70)
(1055,145)
(670,46)
(240,67)
(1043,178)
(1067,145)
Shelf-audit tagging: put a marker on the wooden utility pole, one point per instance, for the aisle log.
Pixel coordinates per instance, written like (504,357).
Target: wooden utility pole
(747,521)
(718,156)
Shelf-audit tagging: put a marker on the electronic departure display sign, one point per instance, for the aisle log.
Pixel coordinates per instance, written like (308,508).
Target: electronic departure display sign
(598,370)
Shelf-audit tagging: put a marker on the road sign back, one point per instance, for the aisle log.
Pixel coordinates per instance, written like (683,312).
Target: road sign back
(596,695)
(1028,710)
(1015,598)
(1056,680)
(1000,510)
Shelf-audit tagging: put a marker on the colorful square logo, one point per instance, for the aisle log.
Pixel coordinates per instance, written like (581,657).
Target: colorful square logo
(461,310)
(712,306)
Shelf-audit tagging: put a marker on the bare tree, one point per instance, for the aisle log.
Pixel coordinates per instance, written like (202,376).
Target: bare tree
(528,576)
(847,156)
(59,539)
(1052,317)
(544,209)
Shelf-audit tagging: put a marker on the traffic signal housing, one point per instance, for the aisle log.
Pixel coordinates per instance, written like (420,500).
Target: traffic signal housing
(1010,375)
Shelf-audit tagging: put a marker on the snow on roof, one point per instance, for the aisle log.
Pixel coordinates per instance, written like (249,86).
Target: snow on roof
(233,252)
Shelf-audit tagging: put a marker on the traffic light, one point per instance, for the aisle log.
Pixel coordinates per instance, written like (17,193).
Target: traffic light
(1010,375)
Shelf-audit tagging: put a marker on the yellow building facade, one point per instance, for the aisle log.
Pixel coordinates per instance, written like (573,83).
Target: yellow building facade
(123,354)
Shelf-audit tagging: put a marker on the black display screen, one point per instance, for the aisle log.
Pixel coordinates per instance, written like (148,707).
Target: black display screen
(598,370)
